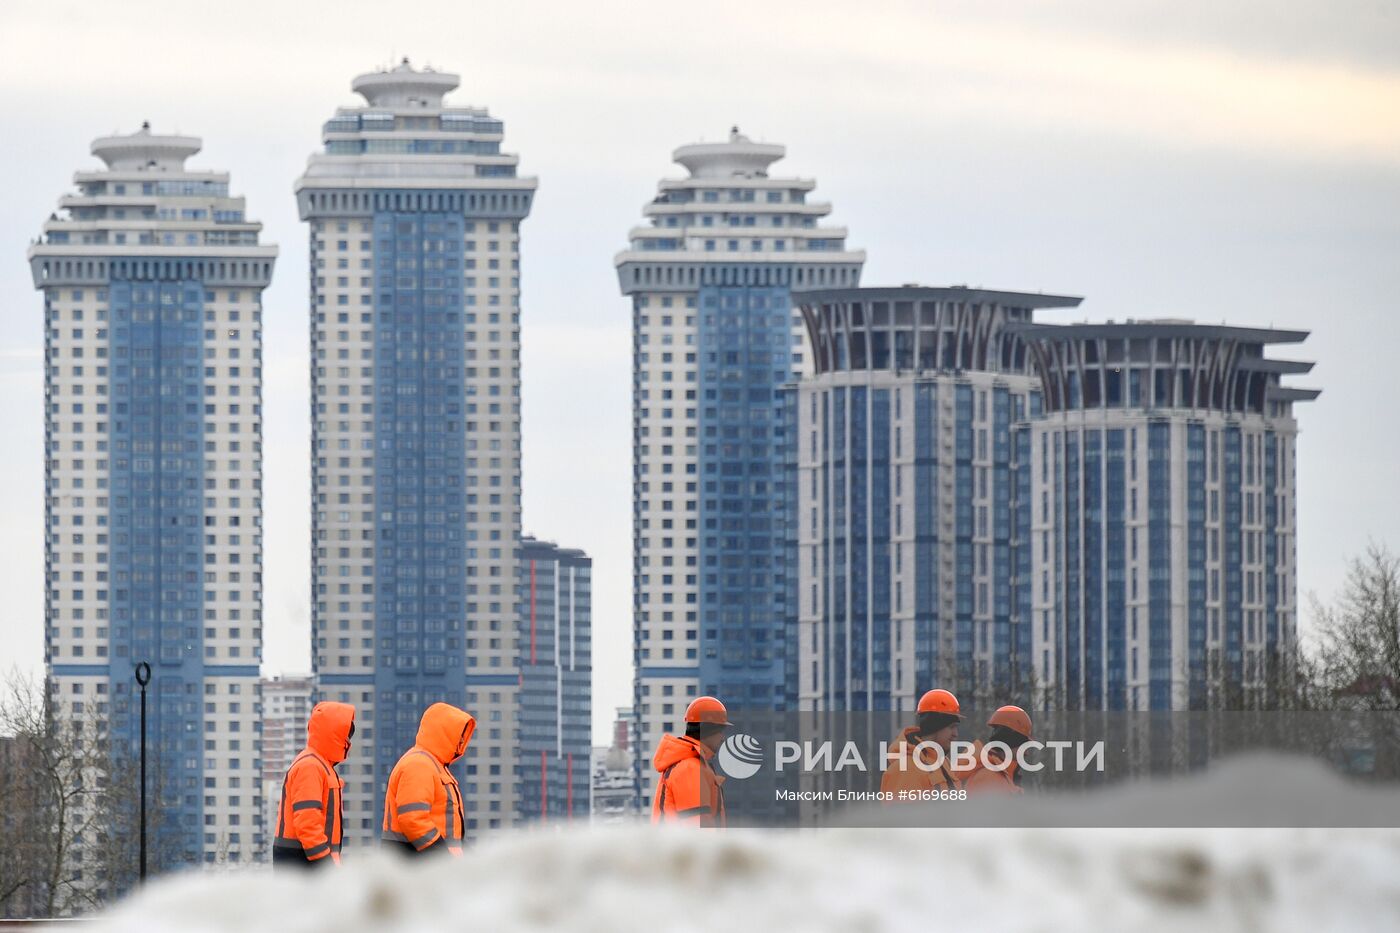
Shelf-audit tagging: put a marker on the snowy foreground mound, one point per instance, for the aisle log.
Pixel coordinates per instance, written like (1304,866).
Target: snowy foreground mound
(637,878)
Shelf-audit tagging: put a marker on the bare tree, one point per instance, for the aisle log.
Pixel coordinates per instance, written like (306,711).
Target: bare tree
(1282,678)
(18,827)
(66,843)
(1359,635)
(1358,659)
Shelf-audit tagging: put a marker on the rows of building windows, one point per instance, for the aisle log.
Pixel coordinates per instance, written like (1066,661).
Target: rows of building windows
(184,187)
(417,436)
(426,147)
(381,122)
(686,193)
(814,244)
(156,238)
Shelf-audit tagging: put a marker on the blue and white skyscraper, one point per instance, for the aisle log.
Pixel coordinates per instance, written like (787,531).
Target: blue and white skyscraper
(152,277)
(906,531)
(715,338)
(414,216)
(556,682)
(1163,496)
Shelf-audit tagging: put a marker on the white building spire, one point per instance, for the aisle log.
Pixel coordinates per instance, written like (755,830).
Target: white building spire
(403,87)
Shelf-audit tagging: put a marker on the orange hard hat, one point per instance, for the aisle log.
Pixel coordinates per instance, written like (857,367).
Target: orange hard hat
(1013,718)
(940,701)
(707,709)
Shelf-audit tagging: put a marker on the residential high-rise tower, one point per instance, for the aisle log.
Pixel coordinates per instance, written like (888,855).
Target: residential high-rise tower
(715,338)
(286,709)
(152,276)
(414,216)
(906,530)
(1163,496)
(556,682)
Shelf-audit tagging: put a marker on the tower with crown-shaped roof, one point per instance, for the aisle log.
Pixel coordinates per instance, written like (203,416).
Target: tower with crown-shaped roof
(152,276)
(414,215)
(716,337)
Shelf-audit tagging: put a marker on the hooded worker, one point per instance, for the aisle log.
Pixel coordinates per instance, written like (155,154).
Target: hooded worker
(1011,728)
(310,816)
(689,792)
(915,763)
(423,812)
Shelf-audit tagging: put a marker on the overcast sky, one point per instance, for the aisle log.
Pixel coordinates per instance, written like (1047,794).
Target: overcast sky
(1218,161)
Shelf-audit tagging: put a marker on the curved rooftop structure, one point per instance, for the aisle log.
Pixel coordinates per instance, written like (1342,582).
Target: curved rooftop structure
(739,157)
(145,205)
(402,86)
(729,221)
(949,329)
(145,151)
(406,137)
(1166,364)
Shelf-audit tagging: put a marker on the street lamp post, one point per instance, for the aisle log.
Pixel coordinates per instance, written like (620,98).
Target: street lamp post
(143,677)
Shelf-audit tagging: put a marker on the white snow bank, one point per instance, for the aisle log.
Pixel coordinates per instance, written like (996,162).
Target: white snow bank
(1241,791)
(988,880)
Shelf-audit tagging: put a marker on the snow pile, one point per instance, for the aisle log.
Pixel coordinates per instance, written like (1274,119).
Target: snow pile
(1242,791)
(989,880)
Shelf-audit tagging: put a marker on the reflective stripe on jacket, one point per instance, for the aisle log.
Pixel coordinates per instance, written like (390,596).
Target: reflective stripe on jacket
(423,803)
(310,816)
(689,791)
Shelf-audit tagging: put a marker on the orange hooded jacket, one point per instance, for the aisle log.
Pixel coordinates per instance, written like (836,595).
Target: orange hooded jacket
(423,804)
(981,780)
(689,791)
(911,777)
(311,813)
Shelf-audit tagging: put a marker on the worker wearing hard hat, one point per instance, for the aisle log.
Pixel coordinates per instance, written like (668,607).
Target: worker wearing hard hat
(1011,727)
(689,791)
(918,760)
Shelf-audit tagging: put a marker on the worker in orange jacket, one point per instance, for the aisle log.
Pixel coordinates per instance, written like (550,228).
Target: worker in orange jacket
(1010,726)
(423,811)
(937,725)
(311,813)
(689,792)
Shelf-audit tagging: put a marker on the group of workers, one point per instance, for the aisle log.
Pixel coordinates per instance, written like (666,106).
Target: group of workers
(930,739)
(424,812)
(690,792)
